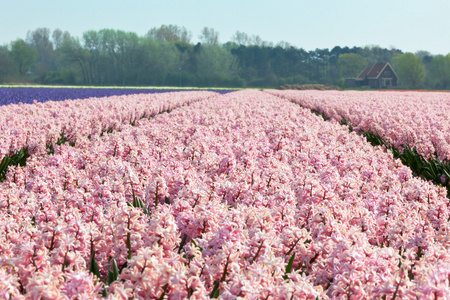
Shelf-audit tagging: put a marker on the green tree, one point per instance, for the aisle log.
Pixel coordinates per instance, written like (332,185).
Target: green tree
(7,66)
(109,55)
(241,38)
(127,52)
(74,57)
(374,54)
(209,36)
(410,69)
(350,65)
(170,33)
(94,58)
(439,71)
(215,64)
(59,37)
(23,56)
(39,40)
(158,60)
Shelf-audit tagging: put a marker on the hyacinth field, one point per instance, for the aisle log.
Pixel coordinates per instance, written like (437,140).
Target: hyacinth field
(198,195)
(15,95)
(415,119)
(415,126)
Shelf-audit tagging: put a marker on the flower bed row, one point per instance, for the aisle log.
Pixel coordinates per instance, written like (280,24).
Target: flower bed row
(243,195)
(16,95)
(41,126)
(412,119)
(433,169)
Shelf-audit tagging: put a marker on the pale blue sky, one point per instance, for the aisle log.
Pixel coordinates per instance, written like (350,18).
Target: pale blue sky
(409,25)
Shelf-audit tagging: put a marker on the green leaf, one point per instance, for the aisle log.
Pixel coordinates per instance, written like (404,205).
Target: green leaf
(112,276)
(94,269)
(165,287)
(129,244)
(216,291)
(123,267)
(183,241)
(446,173)
(289,266)
(290,263)
(146,211)
(115,269)
(17,159)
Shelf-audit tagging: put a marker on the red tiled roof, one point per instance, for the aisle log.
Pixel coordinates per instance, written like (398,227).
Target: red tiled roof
(372,71)
(376,70)
(364,73)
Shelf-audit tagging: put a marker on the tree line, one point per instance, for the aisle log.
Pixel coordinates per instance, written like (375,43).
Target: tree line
(166,56)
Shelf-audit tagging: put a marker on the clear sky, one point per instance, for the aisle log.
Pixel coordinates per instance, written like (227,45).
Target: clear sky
(409,25)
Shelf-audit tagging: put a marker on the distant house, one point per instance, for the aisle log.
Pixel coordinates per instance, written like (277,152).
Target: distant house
(378,76)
